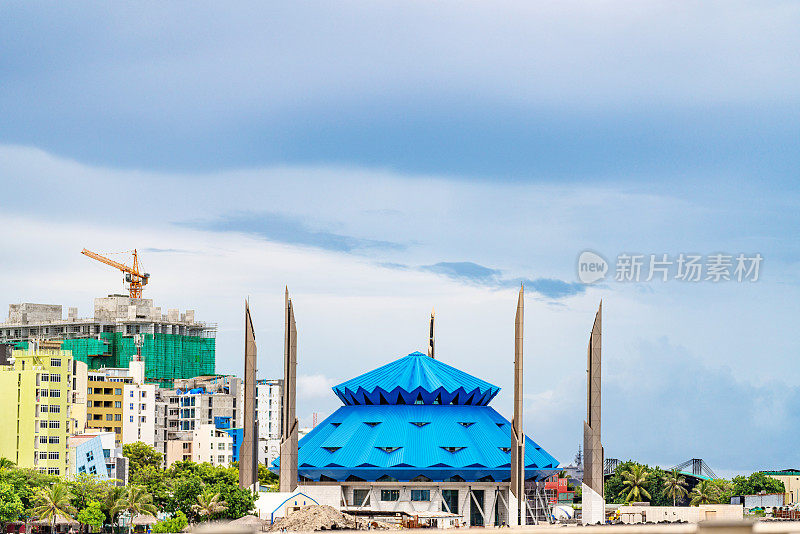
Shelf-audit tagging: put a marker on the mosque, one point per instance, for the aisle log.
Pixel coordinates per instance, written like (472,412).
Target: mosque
(417,436)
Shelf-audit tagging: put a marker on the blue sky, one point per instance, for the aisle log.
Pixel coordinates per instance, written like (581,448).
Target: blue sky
(384,158)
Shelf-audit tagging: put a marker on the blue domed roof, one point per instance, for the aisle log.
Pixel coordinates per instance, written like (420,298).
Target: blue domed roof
(416,379)
(403,443)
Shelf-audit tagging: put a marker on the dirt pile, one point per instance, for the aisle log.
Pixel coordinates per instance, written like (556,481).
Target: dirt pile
(315,517)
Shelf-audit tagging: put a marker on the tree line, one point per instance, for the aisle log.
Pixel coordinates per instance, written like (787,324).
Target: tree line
(635,482)
(187,492)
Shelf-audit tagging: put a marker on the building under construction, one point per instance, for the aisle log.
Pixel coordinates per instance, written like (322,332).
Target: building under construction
(172,344)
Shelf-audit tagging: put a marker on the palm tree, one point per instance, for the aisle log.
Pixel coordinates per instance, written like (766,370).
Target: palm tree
(209,504)
(703,493)
(52,502)
(113,503)
(136,502)
(675,486)
(5,463)
(633,482)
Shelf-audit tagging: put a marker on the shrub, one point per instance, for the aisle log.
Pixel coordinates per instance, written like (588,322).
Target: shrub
(171,525)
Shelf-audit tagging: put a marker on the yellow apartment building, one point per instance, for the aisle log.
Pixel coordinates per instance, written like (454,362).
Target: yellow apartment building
(104,403)
(38,391)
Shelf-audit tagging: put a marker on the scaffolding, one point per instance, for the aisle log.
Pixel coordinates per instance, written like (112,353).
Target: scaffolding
(166,356)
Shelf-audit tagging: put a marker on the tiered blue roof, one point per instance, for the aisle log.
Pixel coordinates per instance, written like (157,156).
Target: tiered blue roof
(415,418)
(416,379)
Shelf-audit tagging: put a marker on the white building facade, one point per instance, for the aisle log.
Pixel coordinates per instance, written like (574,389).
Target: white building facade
(139,413)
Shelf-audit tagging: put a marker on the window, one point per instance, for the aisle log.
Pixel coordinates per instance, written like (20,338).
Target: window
(55,362)
(131,406)
(109,417)
(117,417)
(92,470)
(143,419)
(420,495)
(44,378)
(360,497)
(131,393)
(53,439)
(55,408)
(452,449)
(88,404)
(55,378)
(390,495)
(53,455)
(143,406)
(89,391)
(43,440)
(43,455)
(117,404)
(54,393)
(222,458)
(43,408)
(144,394)
(117,430)
(53,471)
(90,456)
(82,469)
(117,391)
(131,419)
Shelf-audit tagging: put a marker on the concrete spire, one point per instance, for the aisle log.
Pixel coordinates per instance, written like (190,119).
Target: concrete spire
(593,501)
(248,450)
(288,471)
(431,338)
(517,435)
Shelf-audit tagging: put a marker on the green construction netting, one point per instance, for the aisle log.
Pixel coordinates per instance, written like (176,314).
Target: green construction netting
(166,356)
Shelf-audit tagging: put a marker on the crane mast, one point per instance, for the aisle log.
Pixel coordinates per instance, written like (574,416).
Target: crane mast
(136,280)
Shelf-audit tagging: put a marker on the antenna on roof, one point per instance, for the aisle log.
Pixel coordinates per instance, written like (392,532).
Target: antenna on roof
(431,341)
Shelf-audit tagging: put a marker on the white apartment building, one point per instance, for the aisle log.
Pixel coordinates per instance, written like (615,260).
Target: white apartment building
(204,444)
(268,408)
(139,413)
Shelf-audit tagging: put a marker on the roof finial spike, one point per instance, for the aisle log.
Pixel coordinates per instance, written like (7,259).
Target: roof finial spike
(431,336)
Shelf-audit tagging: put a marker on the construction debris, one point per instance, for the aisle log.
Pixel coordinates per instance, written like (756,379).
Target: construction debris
(315,517)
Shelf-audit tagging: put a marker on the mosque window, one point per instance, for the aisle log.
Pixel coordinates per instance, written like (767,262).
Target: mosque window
(420,423)
(388,449)
(452,449)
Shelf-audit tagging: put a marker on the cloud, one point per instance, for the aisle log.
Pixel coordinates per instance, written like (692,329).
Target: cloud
(315,386)
(465,270)
(475,273)
(287,229)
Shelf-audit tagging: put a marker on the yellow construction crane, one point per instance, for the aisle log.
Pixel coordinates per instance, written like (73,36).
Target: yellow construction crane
(135,279)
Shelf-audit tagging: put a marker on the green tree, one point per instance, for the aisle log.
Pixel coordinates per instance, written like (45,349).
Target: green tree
(703,493)
(52,502)
(141,455)
(112,503)
(137,502)
(27,483)
(675,486)
(86,489)
(209,505)
(173,524)
(633,482)
(267,477)
(756,483)
(10,504)
(723,489)
(5,463)
(92,515)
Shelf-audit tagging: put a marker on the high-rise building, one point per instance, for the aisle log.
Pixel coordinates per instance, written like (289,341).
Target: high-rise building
(173,345)
(268,406)
(139,413)
(38,390)
(104,402)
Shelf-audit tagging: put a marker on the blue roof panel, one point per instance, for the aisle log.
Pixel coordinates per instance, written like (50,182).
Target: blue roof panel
(438,450)
(416,379)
